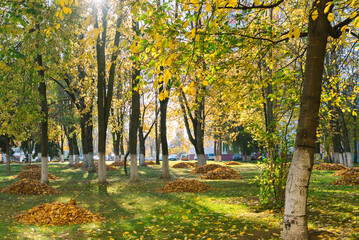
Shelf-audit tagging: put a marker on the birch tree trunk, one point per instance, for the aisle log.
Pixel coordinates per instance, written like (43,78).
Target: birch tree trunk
(295,212)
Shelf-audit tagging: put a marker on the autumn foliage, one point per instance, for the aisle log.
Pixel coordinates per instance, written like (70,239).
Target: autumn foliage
(222,173)
(118,164)
(232,163)
(26,167)
(182,165)
(109,168)
(185,185)
(350,176)
(34,174)
(58,213)
(30,187)
(150,163)
(206,168)
(328,166)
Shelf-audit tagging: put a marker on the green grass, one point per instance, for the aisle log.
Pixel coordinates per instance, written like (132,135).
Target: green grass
(137,211)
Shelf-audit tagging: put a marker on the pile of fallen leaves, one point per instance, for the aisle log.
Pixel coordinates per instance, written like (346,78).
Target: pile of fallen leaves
(30,187)
(328,166)
(205,168)
(31,166)
(182,165)
(78,165)
(58,213)
(347,171)
(184,185)
(222,173)
(118,164)
(33,173)
(232,163)
(150,163)
(350,176)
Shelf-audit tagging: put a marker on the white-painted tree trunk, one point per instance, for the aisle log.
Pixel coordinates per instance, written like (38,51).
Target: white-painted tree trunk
(165,168)
(39,157)
(295,212)
(44,170)
(142,160)
(349,159)
(133,170)
(91,164)
(77,159)
(122,157)
(117,158)
(71,160)
(62,158)
(336,158)
(101,168)
(219,158)
(341,159)
(201,159)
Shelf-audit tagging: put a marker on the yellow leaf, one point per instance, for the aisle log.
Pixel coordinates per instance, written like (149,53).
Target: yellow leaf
(330,17)
(57,26)
(315,14)
(96,32)
(327,8)
(353,15)
(167,76)
(296,32)
(150,13)
(356,23)
(232,3)
(257,2)
(208,7)
(76,3)
(205,83)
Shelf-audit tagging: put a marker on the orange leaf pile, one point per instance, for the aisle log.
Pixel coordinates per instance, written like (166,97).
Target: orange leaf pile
(232,163)
(184,185)
(118,164)
(33,173)
(350,176)
(30,187)
(222,173)
(58,213)
(78,165)
(205,168)
(347,171)
(30,166)
(183,165)
(150,163)
(328,166)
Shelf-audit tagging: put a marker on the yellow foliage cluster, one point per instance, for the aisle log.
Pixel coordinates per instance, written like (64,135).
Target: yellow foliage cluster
(185,185)
(222,173)
(205,168)
(33,173)
(150,163)
(328,166)
(183,165)
(26,167)
(58,213)
(30,187)
(232,163)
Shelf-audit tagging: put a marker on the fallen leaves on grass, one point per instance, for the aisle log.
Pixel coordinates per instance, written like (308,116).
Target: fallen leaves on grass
(58,213)
(347,171)
(232,163)
(150,163)
(206,168)
(328,166)
(222,173)
(109,168)
(30,166)
(30,187)
(184,185)
(183,165)
(33,173)
(350,176)
(118,164)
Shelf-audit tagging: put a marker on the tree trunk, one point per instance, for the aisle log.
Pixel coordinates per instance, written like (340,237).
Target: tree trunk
(116,145)
(62,149)
(163,129)
(355,145)
(76,150)
(347,150)
(7,152)
(44,123)
(295,212)
(157,138)
(336,140)
(134,122)
(142,145)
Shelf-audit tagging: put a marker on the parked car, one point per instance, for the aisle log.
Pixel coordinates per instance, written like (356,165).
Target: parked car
(237,157)
(211,156)
(172,157)
(184,157)
(195,157)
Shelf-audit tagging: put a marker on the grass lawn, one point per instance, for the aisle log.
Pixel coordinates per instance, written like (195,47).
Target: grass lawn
(137,211)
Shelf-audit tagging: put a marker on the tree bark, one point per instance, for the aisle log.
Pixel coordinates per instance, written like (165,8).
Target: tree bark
(347,151)
(295,212)
(355,145)
(163,129)
(7,152)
